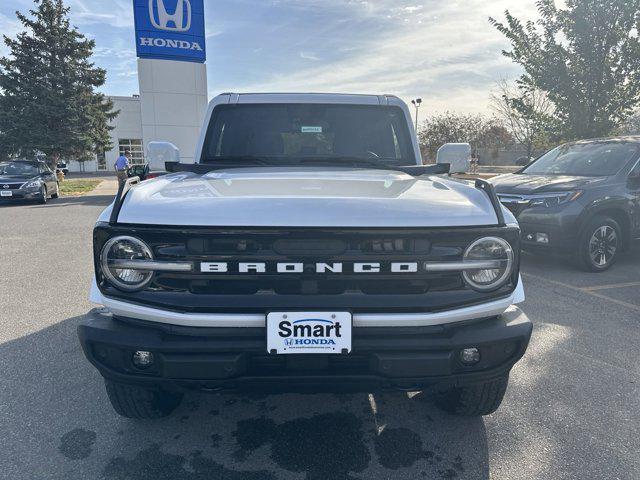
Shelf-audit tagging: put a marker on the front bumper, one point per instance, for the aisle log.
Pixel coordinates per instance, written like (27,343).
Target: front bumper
(560,237)
(18,195)
(561,224)
(236,359)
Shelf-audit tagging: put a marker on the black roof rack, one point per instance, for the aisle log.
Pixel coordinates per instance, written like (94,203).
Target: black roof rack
(120,196)
(489,189)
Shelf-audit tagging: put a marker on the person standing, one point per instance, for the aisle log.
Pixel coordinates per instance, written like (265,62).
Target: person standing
(121,166)
(475,162)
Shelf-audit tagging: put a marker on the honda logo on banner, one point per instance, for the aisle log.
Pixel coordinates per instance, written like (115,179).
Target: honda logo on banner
(170,30)
(178,21)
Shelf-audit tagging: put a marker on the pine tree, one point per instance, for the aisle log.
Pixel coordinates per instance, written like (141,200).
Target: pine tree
(48,98)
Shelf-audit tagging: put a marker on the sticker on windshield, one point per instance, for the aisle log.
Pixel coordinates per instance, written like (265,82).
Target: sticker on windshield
(311,129)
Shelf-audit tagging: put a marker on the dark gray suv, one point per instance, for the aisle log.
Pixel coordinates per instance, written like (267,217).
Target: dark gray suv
(581,198)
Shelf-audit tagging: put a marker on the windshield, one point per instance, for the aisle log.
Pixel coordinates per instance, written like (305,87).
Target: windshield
(588,159)
(290,132)
(18,169)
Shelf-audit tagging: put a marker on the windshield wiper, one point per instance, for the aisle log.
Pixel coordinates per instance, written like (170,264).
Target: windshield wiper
(211,164)
(348,161)
(242,159)
(298,161)
(379,164)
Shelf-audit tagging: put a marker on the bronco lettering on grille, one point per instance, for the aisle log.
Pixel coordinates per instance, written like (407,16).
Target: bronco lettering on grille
(288,268)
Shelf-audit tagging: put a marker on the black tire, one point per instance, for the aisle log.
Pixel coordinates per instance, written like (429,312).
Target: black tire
(57,194)
(140,403)
(600,244)
(473,400)
(43,195)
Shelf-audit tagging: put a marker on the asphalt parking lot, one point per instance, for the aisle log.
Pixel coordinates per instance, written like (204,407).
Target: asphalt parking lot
(571,410)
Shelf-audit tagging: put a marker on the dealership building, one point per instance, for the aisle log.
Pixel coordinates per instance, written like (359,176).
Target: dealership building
(170,44)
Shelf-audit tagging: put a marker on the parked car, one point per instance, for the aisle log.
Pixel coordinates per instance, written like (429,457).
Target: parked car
(62,166)
(581,199)
(301,253)
(27,180)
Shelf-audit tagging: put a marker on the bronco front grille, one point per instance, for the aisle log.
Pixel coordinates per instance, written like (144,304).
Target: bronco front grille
(270,290)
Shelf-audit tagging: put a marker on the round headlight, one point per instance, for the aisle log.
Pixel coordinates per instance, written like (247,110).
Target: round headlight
(491,251)
(123,249)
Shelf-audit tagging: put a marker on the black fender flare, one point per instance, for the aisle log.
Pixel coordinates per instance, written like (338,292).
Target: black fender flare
(614,207)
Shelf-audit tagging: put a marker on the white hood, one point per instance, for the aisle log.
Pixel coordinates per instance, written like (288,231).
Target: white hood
(305,197)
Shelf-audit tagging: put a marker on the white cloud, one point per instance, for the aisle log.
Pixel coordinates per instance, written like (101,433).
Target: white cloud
(444,51)
(114,13)
(122,61)
(451,59)
(309,56)
(9,27)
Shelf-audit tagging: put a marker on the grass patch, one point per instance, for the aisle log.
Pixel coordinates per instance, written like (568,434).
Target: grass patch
(78,187)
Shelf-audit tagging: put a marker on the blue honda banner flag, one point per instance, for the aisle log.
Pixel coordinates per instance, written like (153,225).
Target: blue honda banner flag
(170,29)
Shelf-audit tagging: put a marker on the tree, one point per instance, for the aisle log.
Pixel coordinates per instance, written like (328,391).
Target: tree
(631,126)
(48,102)
(479,131)
(527,113)
(586,58)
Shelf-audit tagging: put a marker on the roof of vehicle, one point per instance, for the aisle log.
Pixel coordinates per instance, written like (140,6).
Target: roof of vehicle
(620,139)
(32,162)
(343,98)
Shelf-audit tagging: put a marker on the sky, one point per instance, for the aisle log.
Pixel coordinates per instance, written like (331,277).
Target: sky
(444,51)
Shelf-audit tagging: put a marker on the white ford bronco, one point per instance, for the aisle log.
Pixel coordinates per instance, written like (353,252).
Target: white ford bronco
(306,250)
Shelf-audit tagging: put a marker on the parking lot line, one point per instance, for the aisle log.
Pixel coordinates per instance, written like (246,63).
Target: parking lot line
(588,291)
(613,285)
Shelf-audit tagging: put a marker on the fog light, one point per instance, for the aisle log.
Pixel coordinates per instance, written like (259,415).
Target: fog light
(142,359)
(470,356)
(542,238)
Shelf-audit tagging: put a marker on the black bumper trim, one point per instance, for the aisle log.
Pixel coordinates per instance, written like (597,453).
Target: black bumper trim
(235,359)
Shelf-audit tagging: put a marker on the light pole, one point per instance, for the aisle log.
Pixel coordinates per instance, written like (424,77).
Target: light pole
(416,103)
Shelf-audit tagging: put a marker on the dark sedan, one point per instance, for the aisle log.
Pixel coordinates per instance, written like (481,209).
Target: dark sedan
(581,198)
(26,180)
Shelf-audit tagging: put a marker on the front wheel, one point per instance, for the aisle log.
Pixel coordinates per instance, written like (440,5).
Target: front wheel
(42,200)
(600,244)
(131,401)
(473,400)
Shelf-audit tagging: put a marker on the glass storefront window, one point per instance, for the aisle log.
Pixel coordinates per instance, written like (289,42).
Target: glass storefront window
(135,147)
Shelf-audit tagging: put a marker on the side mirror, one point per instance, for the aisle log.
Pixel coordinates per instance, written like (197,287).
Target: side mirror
(159,153)
(458,155)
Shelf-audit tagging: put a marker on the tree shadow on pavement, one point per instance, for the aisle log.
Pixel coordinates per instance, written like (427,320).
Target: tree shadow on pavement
(56,421)
(89,200)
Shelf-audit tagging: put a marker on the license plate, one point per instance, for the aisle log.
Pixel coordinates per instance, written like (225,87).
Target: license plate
(309,332)
(4,193)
